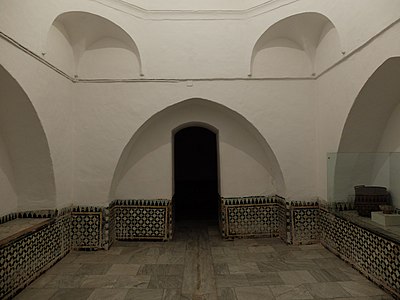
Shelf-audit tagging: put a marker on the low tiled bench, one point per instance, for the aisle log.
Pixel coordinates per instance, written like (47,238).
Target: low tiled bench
(28,247)
(250,216)
(142,219)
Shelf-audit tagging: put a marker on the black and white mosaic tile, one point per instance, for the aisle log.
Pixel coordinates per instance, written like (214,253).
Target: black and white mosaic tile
(142,219)
(305,225)
(250,216)
(25,258)
(376,257)
(284,220)
(87,227)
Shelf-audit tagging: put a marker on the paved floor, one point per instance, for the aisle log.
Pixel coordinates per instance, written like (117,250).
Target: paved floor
(198,264)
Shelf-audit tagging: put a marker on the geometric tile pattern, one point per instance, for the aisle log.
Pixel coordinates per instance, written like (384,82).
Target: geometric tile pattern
(140,223)
(142,219)
(46,213)
(108,228)
(261,268)
(252,220)
(25,258)
(376,257)
(111,231)
(250,216)
(284,221)
(86,230)
(305,224)
(41,214)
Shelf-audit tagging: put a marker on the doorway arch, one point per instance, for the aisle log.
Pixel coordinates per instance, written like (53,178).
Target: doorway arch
(248,165)
(196,173)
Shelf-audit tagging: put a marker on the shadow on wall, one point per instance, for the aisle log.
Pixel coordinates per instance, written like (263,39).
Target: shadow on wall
(298,46)
(26,171)
(371,129)
(248,165)
(92,47)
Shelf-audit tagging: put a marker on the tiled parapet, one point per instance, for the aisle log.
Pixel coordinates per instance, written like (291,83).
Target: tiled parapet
(8,217)
(337,206)
(250,216)
(25,257)
(376,256)
(304,222)
(284,220)
(142,219)
(45,213)
(87,227)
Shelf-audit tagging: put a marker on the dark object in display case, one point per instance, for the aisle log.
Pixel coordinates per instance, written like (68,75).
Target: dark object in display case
(368,199)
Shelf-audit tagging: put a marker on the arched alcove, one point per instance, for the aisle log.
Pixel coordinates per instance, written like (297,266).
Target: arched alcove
(26,172)
(372,109)
(299,45)
(90,46)
(372,128)
(247,164)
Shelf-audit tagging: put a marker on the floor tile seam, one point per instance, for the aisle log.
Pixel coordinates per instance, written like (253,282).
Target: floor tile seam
(294,287)
(86,277)
(271,292)
(372,285)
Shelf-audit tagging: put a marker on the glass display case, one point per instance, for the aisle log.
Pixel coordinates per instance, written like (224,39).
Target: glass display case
(362,178)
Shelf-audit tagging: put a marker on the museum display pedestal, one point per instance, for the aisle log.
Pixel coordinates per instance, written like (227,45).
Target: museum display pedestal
(385,219)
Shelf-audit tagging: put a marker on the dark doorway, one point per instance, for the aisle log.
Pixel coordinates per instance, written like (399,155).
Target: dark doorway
(196,174)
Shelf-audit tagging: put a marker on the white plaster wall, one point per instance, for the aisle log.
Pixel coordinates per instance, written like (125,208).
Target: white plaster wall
(52,98)
(329,49)
(282,58)
(59,51)
(197,45)
(90,46)
(8,198)
(243,163)
(109,114)
(108,58)
(390,142)
(196,5)
(363,132)
(242,174)
(27,147)
(292,115)
(342,13)
(337,90)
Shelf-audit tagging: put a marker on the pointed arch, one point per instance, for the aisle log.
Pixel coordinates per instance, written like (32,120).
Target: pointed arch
(90,46)
(248,165)
(25,155)
(298,45)
(370,132)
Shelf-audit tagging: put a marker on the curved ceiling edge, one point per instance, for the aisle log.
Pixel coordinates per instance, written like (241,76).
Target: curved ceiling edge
(194,14)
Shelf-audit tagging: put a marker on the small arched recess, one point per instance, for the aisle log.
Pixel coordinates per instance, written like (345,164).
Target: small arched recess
(26,171)
(371,129)
(247,164)
(89,46)
(298,46)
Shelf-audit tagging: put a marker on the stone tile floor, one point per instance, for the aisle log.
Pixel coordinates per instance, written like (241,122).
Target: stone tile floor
(198,264)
